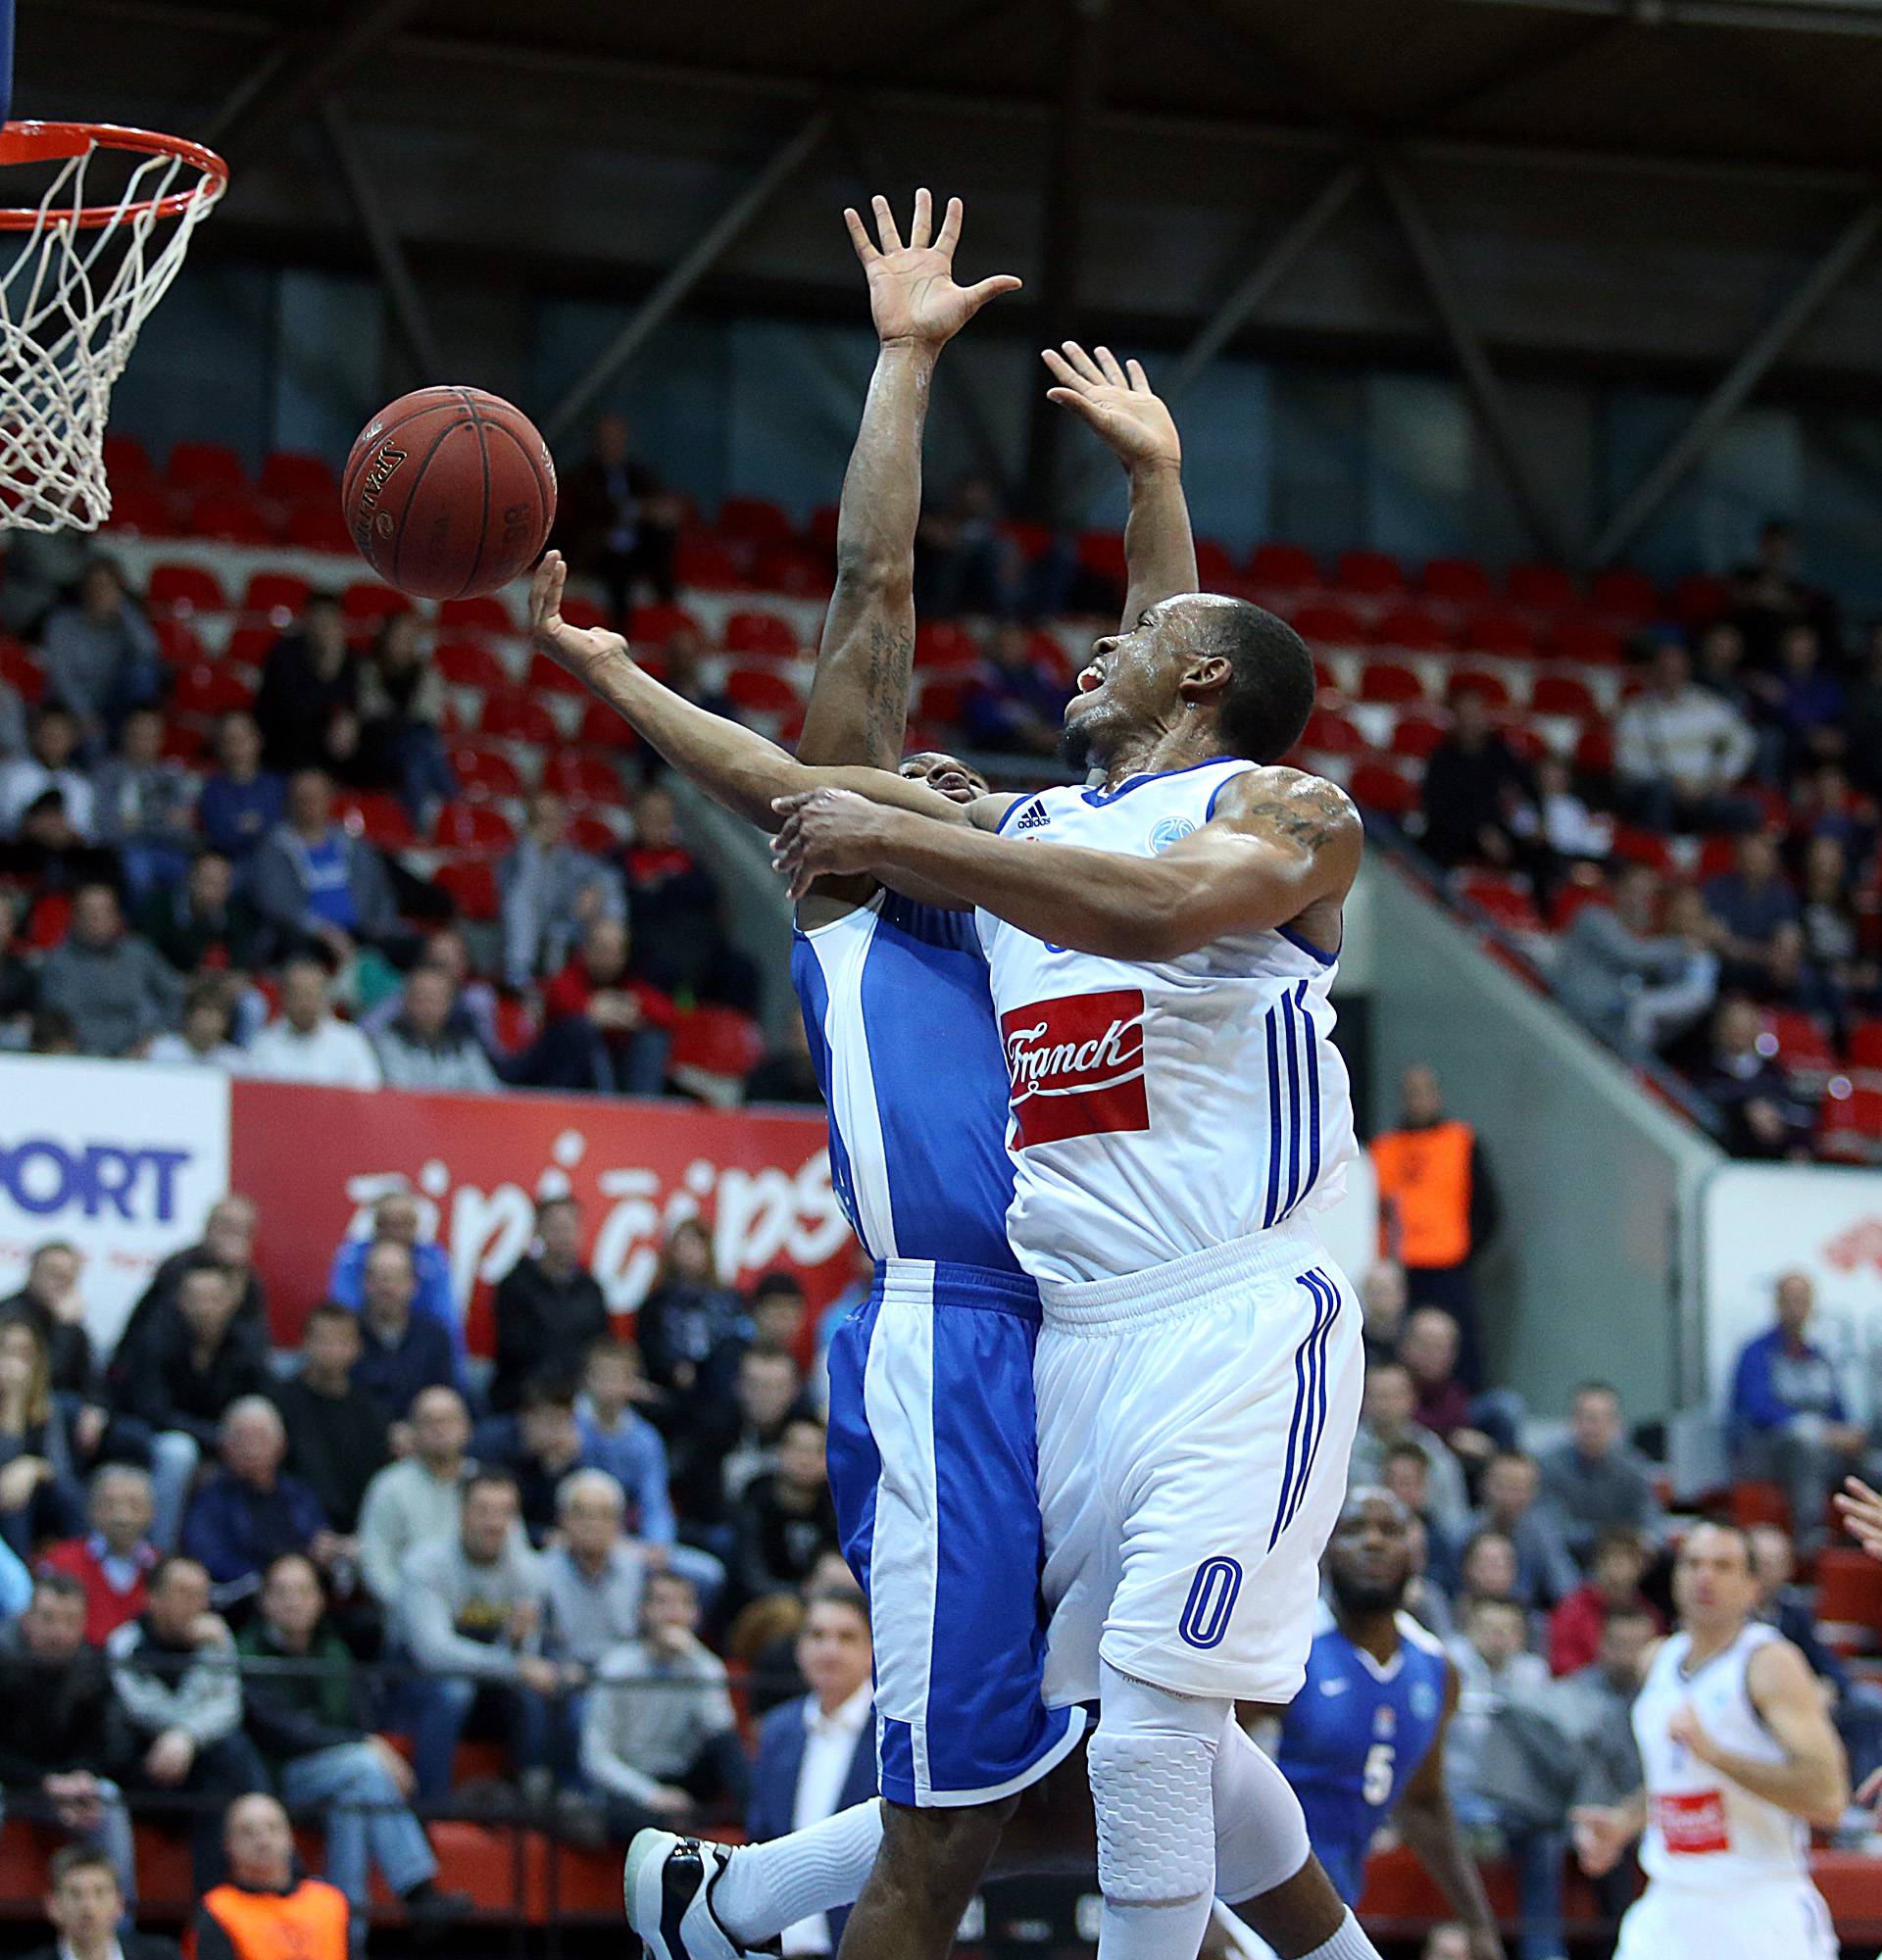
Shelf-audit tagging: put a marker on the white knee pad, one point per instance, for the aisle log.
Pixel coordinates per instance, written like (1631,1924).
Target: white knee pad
(1151,1764)
(1261,1830)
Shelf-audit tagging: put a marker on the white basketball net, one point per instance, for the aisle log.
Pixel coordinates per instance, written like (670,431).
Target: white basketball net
(72,299)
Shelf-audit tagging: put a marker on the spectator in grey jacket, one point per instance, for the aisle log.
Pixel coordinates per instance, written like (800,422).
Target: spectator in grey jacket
(144,805)
(1544,1571)
(314,880)
(1386,1422)
(419,1499)
(427,1046)
(101,653)
(116,989)
(594,1578)
(1623,976)
(551,892)
(1596,1479)
(173,1672)
(471,1614)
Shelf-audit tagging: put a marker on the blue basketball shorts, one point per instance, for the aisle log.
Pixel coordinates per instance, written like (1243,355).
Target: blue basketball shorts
(934,1472)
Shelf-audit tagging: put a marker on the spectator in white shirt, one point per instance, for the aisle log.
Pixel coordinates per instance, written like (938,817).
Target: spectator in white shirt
(307,1044)
(1681,750)
(47,766)
(203,1041)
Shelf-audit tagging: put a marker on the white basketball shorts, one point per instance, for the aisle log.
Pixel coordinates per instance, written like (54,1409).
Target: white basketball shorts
(1747,1923)
(1195,1422)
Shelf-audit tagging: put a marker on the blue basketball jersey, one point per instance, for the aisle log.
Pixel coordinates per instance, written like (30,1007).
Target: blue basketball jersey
(1353,1736)
(901,1032)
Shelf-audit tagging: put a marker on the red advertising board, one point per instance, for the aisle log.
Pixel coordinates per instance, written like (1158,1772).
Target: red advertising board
(315,1160)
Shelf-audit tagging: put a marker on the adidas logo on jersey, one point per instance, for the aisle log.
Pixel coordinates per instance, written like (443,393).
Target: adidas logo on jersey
(1076,1066)
(1035,816)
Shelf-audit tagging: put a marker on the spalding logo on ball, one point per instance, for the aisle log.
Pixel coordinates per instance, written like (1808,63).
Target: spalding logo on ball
(449,493)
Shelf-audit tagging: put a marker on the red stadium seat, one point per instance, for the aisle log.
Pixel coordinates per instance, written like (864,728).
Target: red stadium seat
(46,923)
(1866,1045)
(753,632)
(250,646)
(1699,599)
(1624,594)
(1635,845)
(591,832)
(582,778)
(705,563)
(367,603)
(1331,733)
(1595,750)
(820,532)
(584,613)
(184,742)
(1501,633)
(1326,622)
(184,588)
(794,569)
(1417,734)
(1413,630)
(1505,897)
(761,691)
(178,640)
(231,518)
(1375,573)
(601,728)
(657,623)
(206,466)
(1753,1503)
(550,676)
(1849,1123)
(488,613)
(1542,588)
(1457,581)
(1523,741)
(753,520)
(1214,566)
(1488,687)
(1849,1587)
(515,714)
(295,477)
(1587,641)
(20,672)
(1284,567)
(127,461)
(468,664)
(1103,553)
(472,884)
(1389,681)
(715,1049)
(274,595)
(1804,1048)
(143,510)
(473,826)
(317,526)
(942,645)
(1379,786)
(378,818)
(943,700)
(204,689)
(484,772)
(1029,537)
(1563,694)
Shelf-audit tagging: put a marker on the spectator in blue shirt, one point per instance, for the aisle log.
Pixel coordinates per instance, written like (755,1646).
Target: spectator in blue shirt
(252,1512)
(241,803)
(1012,707)
(396,1217)
(401,1354)
(1755,912)
(314,880)
(1788,1419)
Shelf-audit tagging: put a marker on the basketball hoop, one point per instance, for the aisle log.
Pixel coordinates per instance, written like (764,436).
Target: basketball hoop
(78,280)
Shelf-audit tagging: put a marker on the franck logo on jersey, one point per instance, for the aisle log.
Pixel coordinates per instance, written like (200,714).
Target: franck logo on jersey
(1171,831)
(1076,1066)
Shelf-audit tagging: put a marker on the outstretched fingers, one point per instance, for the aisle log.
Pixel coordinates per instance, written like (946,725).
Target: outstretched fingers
(1115,374)
(950,236)
(1139,380)
(886,228)
(860,236)
(991,289)
(545,593)
(1087,368)
(921,225)
(1061,370)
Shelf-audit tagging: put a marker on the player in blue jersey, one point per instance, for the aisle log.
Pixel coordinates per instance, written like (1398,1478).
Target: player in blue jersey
(1363,1740)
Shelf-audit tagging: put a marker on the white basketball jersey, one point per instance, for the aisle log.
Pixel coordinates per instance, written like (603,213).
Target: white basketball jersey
(1160,1108)
(1703,1830)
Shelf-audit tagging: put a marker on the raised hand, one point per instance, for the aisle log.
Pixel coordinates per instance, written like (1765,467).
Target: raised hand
(1861,1513)
(581,650)
(913,295)
(1118,403)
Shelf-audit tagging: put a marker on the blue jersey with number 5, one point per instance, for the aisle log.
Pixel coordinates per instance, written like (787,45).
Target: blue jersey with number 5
(1355,1735)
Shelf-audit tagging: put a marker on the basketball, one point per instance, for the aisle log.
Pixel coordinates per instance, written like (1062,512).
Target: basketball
(449,492)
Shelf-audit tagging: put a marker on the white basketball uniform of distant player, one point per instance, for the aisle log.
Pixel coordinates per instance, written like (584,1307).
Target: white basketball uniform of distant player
(1728,1873)
(1175,1124)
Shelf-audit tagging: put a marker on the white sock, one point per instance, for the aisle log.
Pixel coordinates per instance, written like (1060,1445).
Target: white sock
(1155,1932)
(1348,1944)
(765,1888)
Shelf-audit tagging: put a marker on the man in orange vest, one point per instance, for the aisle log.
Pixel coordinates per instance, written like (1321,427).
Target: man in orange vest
(261,1911)
(1437,1205)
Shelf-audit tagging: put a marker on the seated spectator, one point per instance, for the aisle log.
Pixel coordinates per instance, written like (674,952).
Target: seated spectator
(205,1038)
(1613,1586)
(1388,1421)
(473,999)
(1787,1415)
(250,1512)
(1491,1660)
(310,1729)
(1407,1475)
(263,1910)
(606,1030)
(788,1073)
(1487,1567)
(117,987)
(1618,967)
(540,1446)
(1862,720)
(1554,830)
(471,1614)
(40,1497)
(771,1393)
(1758,1112)
(228,1243)
(19,976)
(1474,787)
(87,1903)
(659,1739)
(172,1671)
(112,1563)
(195,1361)
(338,1434)
(1754,912)
(313,881)
(786,1517)
(1429,1348)
(1802,702)
(1383,1299)
(415,1500)
(1768,596)
(52,1302)
(1595,1479)
(402,1353)
(398,1217)
(308,706)
(426,1047)
(551,893)
(594,1573)
(965,560)
(144,806)
(1012,707)
(1545,1572)
(1684,989)
(47,766)
(402,708)
(780,1315)
(48,853)
(616,521)
(65,1742)
(1840,974)
(101,655)
(200,923)
(241,803)
(1681,752)
(674,912)
(691,1328)
(550,1310)
(308,1044)
(816,1757)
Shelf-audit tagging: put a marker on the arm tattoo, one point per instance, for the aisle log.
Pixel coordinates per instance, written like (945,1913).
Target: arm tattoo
(1310,816)
(885,704)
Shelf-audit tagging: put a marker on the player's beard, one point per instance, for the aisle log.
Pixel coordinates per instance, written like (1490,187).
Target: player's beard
(1356,1597)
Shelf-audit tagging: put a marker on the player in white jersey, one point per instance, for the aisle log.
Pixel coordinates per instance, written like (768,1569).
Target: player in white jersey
(1739,1758)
